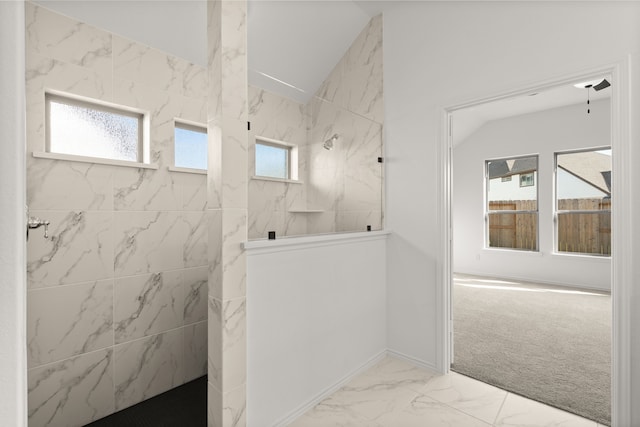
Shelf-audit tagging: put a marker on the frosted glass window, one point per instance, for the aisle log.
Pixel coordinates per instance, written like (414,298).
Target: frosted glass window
(190,146)
(272,160)
(583,202)
(84,129)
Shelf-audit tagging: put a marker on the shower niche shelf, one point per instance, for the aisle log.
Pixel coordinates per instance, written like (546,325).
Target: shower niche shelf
(305,211)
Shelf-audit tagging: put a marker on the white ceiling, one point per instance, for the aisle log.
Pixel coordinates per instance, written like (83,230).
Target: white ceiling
(295,41)
(469,120)
(289,43)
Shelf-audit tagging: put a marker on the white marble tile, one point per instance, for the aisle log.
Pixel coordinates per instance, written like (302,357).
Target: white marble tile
(332,416)
(214,406)
(226,409)
(234,263)
(362,73)
(195,288)
(332,86)
(214,60)
(296,224)
(324,222)
(214,249)
(195,351)
(266,207)
(234,151)
(72,392)
(145,189)
(234,407)
(518,411)
(65,321)
(35,117)
(423,411)
(295,197)
(214,342)
(193,189)
(227,343)
(194,82)
(370,401)
(147,367)
(60,185)
(390,373)
(195,239)
(79,248)
(59,37)
(358,220)
(142,64)
(467,395)
(234,62)
(273,116)
(147,304)
(148,241)
(43,72)
(160,105)
(261,222)
(267,196)
(214,162)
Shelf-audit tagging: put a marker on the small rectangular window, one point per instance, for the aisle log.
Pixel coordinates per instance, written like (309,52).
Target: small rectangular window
(583,202)
(527,180)
(273,160)
(82,128)
(190,146)
(512,204)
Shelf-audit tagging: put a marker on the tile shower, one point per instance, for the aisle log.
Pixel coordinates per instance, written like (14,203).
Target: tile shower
(341,189)
(117,295)
(117,306)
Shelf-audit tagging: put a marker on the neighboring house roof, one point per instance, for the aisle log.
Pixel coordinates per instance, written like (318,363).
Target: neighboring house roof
(592,167)
(500,168)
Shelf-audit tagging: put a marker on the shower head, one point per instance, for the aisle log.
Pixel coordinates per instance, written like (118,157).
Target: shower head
(328,144)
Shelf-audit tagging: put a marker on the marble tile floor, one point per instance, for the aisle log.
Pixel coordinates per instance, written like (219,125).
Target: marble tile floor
(395,393)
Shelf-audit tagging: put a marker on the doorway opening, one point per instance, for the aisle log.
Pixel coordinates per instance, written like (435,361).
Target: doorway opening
(550,249)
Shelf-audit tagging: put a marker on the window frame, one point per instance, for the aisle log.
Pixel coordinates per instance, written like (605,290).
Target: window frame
(292,158)
(557,212)
(193,127)
(63,98)
(488,212)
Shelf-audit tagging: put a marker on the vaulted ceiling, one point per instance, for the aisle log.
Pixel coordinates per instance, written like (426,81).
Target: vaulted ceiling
(292,44)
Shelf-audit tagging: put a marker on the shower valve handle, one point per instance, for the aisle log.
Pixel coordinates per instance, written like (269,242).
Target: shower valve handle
(34,222)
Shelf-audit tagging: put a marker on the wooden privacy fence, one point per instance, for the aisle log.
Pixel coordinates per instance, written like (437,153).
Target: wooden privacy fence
(580,232)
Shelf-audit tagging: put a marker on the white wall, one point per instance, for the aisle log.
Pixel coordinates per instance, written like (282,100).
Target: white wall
(13,360)
(443,54)
(542,133)
(315,314)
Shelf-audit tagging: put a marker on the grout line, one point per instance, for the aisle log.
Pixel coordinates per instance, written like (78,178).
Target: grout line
(501,406)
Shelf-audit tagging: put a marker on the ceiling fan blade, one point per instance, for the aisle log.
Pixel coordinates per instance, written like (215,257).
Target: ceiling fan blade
(603,84)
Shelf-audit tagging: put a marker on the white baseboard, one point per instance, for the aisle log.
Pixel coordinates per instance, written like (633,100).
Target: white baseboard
(417,362)
(300,410)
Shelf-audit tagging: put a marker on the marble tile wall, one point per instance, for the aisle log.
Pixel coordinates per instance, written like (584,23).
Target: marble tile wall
(117,299)
(345,184)
(227,212)
(270,203)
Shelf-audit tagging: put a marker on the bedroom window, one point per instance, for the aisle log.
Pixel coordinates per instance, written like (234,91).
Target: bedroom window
(511,208)
(583,202)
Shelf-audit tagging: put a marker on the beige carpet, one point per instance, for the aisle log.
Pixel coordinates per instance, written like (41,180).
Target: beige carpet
(547,343)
